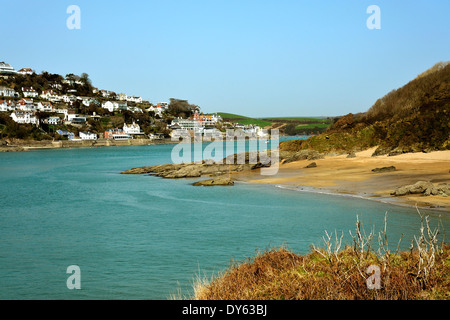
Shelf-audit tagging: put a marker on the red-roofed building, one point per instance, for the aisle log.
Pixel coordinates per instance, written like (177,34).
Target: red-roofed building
(25,71)
(7,105)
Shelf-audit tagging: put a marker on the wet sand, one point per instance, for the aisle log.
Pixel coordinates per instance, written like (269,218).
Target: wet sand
(354,176)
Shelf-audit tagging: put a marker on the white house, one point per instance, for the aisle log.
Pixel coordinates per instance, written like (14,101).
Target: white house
(158,110)
(26,104)
(50,95)
(105,93)
(134,99)
(7,92)
(65,133)
(188,124)
(68,98)
(133,128)
(73,79)
(87,100)
(26,71)
(53,120)
(134,109)
(216,118)
(6,68)
(88,136)
(211,132)
(29,92)
(57,86)
(45,106)
(123,96)
(114,105)
(108,105)
(24,117)
(7,105)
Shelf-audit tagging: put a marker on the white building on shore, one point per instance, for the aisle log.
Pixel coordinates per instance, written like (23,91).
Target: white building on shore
(88,136)
(133,128)
(188,124)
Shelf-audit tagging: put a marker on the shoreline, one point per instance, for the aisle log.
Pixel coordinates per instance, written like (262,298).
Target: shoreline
(353,177)
(26,145)
(385,200)
(17,145)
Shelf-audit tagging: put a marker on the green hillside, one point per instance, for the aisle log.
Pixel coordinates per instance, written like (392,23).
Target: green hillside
(413,118)
(231,116)
(286,125)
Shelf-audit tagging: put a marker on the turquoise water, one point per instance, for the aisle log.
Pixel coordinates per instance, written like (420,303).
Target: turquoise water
(143,237)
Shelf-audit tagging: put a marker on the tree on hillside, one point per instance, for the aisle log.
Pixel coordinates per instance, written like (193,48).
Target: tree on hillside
(85,79)
(181,108)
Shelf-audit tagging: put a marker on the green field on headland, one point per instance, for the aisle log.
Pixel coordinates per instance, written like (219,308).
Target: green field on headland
(287,125)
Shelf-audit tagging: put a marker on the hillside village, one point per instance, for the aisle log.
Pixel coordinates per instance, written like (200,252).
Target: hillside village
(49,106)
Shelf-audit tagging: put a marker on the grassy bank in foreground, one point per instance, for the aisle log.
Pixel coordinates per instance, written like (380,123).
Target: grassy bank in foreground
(357,272)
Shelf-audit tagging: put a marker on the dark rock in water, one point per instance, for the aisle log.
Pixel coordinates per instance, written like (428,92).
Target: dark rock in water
(384,169)
(311,165)
(351,155)
(214,182)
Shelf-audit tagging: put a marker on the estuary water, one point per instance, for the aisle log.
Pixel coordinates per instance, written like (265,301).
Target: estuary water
(143,237)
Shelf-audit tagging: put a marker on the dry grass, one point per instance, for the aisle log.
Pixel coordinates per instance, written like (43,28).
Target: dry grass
(339,274)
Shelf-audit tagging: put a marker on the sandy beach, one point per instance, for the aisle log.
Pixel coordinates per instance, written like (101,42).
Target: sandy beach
(354,176)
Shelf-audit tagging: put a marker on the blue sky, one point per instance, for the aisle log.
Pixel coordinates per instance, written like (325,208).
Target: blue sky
(253,57)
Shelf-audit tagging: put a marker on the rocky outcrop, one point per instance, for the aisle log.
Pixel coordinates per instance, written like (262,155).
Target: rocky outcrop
(287,157)
(204,168)
(214,182)
(426,188)
(384,169)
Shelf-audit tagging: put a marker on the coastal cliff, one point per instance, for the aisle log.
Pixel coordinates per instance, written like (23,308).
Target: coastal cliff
(413,118)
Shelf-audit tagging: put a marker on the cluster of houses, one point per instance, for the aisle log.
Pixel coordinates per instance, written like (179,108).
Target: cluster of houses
(128,131)
(24,110)
(25,105)
(206,125)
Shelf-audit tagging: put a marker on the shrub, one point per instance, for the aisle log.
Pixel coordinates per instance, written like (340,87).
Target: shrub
(339,273)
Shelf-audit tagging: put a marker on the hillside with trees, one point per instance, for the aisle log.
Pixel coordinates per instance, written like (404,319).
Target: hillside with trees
(413,118)
(78,89)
